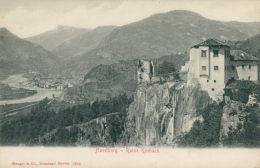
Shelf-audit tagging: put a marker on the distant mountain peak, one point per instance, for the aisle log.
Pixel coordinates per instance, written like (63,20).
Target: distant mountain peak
(61,28)
(179,13)
(70,28)
(108,26)
(18,55)
(4,31)
(52,38)
(184,12)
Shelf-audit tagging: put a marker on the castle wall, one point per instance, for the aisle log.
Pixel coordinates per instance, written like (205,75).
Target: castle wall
(217,77)
(145,71)
(247,73)
(229,73)
(235,70)
(203,61)
(210,79)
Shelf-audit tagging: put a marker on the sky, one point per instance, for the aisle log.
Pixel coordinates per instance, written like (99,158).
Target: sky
(27,18)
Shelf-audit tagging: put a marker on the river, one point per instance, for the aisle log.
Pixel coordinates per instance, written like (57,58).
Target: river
(19,81)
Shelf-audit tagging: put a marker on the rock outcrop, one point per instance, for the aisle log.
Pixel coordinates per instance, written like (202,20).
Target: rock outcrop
(99,131)
(233,113)
(160,112)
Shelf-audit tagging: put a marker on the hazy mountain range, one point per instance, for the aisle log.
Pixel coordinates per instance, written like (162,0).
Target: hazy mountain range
(164,34)
(82,43)
(251,45)
(18,55)
(167,33)
(156,36)
(51,39)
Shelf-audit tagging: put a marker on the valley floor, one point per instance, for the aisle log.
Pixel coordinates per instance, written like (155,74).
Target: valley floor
(19,81)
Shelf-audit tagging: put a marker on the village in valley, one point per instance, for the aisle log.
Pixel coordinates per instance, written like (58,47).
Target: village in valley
(54,82)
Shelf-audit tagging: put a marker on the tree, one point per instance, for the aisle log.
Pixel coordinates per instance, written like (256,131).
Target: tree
(206,133)
(166,68)
(246,134)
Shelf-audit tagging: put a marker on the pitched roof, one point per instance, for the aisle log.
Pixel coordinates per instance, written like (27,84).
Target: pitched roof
(239,55)
(242,84)
(211,42)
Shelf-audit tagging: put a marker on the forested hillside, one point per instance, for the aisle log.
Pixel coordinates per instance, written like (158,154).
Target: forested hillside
(109,80)
(26,130)
(19,56)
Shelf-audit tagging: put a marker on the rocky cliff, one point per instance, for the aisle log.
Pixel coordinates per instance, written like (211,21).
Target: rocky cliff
(233,113)
(99,131)
(160,112)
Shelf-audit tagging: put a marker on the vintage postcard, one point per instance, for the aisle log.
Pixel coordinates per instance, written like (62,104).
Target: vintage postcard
(121,83)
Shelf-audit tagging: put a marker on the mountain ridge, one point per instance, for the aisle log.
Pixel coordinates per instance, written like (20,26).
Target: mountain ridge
(82,43)
(51,39)
(19,55)
(164,34)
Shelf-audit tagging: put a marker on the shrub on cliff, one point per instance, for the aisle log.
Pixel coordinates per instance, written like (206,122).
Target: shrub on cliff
(206,133)
(116,126)
(166,68)
(247,134)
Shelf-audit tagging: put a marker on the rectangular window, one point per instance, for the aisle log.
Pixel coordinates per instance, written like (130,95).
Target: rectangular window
(203,53)
(215,81)
(233,67)
(227,52)
(215,67)
(212,89)
(207,80)
(215,53)
(225,68)
(249,66)
(248,77)
(243,66)
(203,67)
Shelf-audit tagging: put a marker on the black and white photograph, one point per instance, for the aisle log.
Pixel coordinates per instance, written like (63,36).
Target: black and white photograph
(140,78)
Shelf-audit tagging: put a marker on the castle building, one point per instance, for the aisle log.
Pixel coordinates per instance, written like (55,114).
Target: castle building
(213,64)
(145,71)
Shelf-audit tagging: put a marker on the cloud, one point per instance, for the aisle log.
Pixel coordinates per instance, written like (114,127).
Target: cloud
(24,22)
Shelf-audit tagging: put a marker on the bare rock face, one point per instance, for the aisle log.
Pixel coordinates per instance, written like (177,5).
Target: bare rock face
(252,100)
(159,113)
(97,132)
(233,113)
